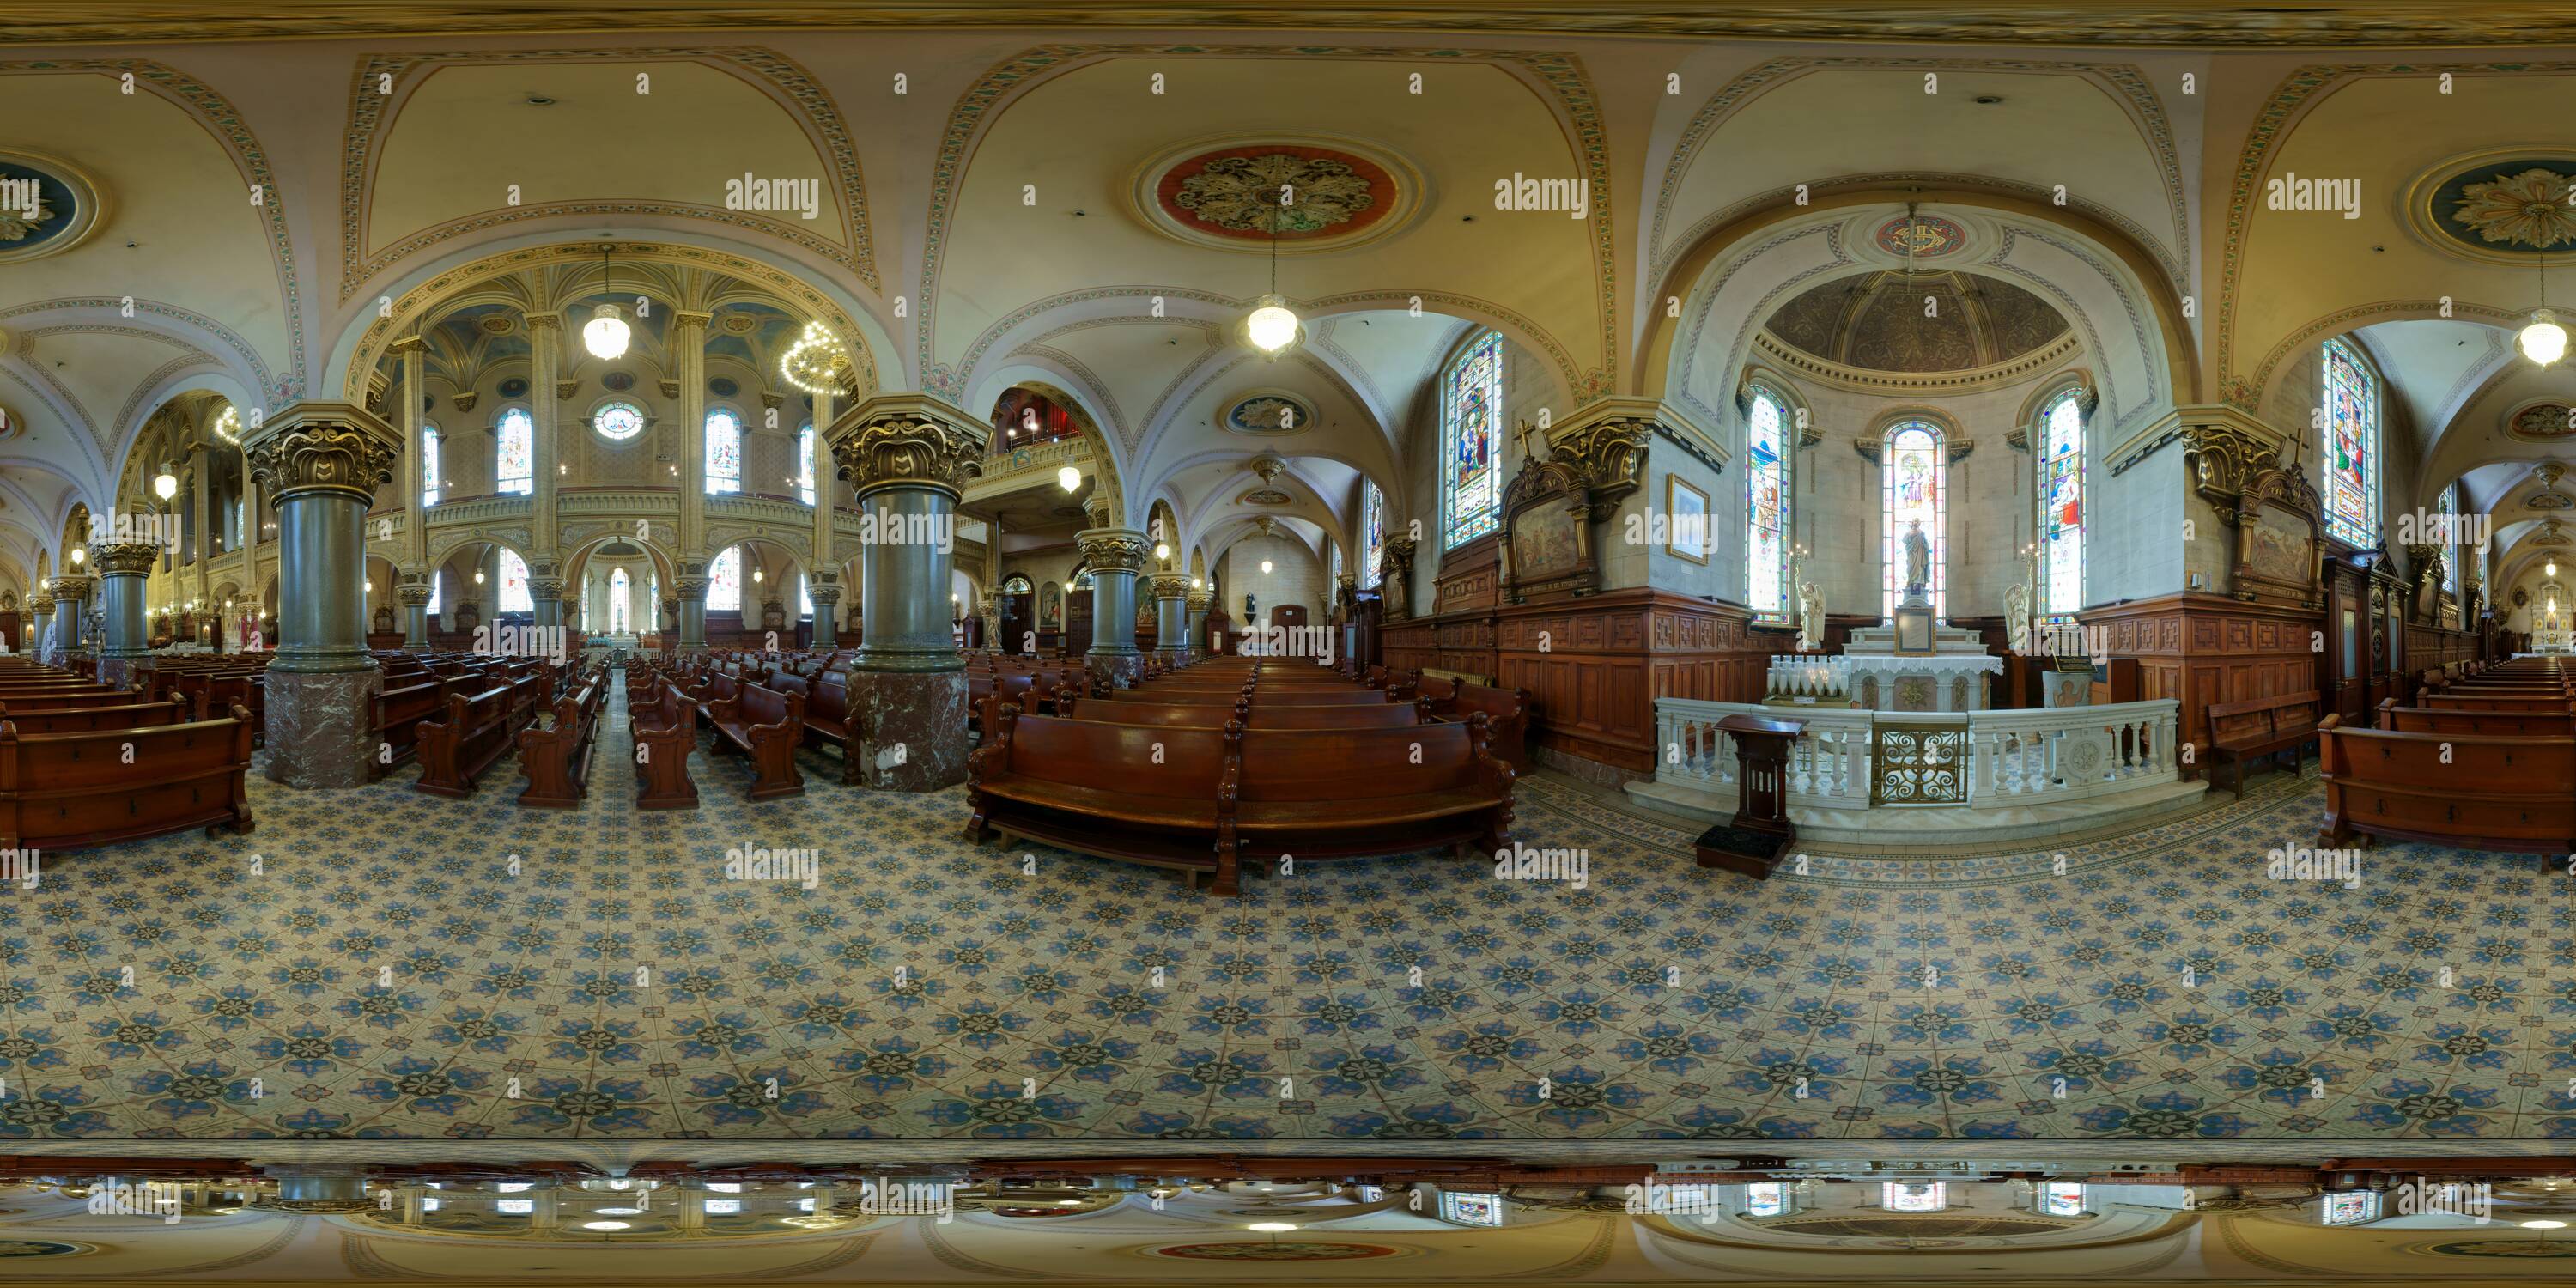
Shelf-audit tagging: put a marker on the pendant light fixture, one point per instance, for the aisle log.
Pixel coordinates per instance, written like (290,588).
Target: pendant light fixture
(1272,327)
(2543,340)
(607,333)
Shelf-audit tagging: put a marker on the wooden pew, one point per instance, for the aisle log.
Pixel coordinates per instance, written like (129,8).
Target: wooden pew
(556,761)
(827,720)
(65,790)
(2515,795)
(1353,792)
(766,726)
(396,716)
(2453,720)
(133,715)
(1254,715)
(666,731)
(2262,727)
(2475,701)
(453,751)
(1507,712)
(1100,789)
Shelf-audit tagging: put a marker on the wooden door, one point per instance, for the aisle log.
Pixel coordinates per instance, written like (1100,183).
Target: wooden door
(1077,622)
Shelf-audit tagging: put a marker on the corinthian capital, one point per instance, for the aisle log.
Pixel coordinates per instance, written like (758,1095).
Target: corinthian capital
(1171,585)
(1113,549)
(909,440)
(124,558)
(325,448)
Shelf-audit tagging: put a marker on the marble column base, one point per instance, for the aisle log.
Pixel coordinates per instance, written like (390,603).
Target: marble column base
(1113,670)
(318,731)
(908,729)
(120,671)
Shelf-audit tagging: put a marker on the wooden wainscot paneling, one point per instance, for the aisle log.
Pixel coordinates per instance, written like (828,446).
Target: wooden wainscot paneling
(1470,577)
(1594,667)
(2200,649)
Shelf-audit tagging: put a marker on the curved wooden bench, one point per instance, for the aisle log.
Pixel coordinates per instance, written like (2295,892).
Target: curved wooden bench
(2515,795)
(1353,793)
(64,790)
(665,727)
(395,715)
(1101,789)
(556,761)
(2506,724)
(455,750)
(133,715)
(765,726)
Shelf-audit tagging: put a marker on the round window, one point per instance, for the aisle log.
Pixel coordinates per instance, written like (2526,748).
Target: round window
(618,421)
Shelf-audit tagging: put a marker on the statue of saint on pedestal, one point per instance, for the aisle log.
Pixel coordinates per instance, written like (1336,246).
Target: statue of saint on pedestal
(1918,561)
(2017,619)
(1811,617)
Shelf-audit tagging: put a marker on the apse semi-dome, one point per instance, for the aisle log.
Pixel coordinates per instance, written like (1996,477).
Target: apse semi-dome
(1881,321)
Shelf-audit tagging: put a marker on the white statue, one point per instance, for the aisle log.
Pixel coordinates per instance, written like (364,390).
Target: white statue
(2017,619)
(1918,561)
(1811,617)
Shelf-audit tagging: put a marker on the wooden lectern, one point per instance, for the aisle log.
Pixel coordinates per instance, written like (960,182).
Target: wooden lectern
(1761,834)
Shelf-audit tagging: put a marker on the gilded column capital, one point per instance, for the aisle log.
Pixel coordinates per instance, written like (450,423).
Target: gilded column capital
(545,588)
(689,587)
(905,439)
(1171,585)
(327,448)
(1198,600)
(824,596)
(691,319)
(405,346)
(1114,549)
(40,602)
(71,586)
(543,321)
(412,595)
(124,558)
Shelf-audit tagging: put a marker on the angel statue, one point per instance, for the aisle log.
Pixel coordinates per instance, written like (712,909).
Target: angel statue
(2017,619)
(1811,617)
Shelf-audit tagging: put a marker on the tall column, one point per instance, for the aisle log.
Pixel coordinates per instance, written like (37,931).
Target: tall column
(693,610)
(40,612)
(545,364)
(407,485)
(71,600)
(1171,616)
(205,589)
(1198,603)
(688,353)
(823,571)
(545,596)
(123,571)
(907,457)
(414,597)
(320,463)
(331,1188)
(1116,556)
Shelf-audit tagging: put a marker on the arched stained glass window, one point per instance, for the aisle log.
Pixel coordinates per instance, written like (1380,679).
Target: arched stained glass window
(2449,505)
(724,581)
(514,584)
(805,465)
(618,586)
(1471,410)
(2352,446)
(1372,533)
(2061,506)
(429,464)
(517,452)
(724,453)
(435,577)
(1914,472)
(1767,499)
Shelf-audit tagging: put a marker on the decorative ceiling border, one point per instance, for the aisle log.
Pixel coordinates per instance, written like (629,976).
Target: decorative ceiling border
(776,70)
(979,104)
(2345,319)
(1923,383)
(260,376)
(225,122)
(2125,77)
(2299,90)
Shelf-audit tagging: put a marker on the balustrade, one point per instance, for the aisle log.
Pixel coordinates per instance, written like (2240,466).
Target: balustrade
(2016,757)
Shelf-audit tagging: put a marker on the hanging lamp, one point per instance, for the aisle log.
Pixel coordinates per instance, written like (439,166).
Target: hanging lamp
(607,333)
(1272,327)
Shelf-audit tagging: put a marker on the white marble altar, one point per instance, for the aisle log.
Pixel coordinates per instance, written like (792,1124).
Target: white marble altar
(1952,677)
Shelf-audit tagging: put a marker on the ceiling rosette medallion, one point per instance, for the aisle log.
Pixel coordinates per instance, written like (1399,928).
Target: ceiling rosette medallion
(322,447)
(2547,421)
(1267,411)
(2504,207)
(1225,193)
(47,205)
(909,440)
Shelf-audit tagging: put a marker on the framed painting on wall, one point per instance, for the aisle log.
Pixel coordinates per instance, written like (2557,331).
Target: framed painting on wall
(1686,514)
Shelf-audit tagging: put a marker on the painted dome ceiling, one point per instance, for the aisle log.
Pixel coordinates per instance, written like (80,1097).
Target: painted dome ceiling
(1878,322)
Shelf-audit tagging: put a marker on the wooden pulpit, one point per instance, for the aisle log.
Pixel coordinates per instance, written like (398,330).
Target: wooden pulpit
(1760,835)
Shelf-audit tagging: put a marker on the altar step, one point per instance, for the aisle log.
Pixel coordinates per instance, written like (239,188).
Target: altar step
(1938,825)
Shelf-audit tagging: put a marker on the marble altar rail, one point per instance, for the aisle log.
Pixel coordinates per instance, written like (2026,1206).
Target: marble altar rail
(2015,757)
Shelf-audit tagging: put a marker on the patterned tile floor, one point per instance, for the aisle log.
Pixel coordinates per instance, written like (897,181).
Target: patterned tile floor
(371,963)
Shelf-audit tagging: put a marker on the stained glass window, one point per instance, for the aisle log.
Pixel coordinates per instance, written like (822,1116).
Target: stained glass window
(805,465)
(724,580)
(2352,447)
(514,584)
(1766,487)
(2450,538)
(434,579)
(618,585)
(804,598)
(724,452)
(1914,1196)
(618,420)
(429,465)
(1372,533)
(1914,469)
(2062,1198)
(2350,1207)
(2061,506)
(517,453)
(1471,411)
(1766,1198)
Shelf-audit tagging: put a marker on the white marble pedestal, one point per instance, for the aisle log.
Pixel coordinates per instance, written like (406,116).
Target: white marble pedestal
(1952,677)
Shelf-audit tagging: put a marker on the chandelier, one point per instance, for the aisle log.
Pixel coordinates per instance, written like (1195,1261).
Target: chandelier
(816,363)
(2543,340)
(228,426)
(607,333)
(1272,326)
